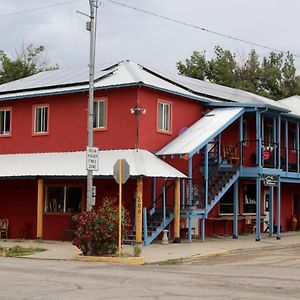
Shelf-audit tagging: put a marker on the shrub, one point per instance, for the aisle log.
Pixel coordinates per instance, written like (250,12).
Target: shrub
(97,231)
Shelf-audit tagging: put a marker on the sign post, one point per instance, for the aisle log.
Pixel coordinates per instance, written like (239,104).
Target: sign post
(121,173)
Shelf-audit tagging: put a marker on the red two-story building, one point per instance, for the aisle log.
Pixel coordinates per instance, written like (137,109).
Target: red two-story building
(204,159)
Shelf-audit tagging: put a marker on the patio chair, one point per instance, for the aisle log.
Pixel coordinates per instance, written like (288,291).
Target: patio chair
(4,228)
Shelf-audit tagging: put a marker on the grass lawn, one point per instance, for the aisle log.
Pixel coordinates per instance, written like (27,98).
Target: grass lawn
(19,251)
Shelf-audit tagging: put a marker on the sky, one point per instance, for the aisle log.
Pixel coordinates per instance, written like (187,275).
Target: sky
(124,33)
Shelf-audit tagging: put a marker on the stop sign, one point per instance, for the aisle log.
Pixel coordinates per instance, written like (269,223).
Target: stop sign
(125,170)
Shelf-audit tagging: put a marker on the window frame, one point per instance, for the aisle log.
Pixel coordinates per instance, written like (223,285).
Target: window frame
(34,113)
(8,134)
(170,105)
(104,100)
(65,187)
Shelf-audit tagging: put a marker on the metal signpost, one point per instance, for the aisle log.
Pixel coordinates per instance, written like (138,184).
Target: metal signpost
(91,26)
(121,173)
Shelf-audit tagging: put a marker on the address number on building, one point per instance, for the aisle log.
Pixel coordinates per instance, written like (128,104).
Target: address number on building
(92,158)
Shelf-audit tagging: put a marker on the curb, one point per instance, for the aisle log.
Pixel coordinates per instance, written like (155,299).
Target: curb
(123,260)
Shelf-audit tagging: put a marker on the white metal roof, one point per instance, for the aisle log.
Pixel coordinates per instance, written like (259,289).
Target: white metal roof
(293,104)
(225,93)
(202,131)
(121,74)
(142,163)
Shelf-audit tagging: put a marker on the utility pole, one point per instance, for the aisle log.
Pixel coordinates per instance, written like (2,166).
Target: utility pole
(91,26)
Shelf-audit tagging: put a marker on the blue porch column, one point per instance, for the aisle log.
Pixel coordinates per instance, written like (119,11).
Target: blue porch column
(286,145)
(279,140)
(190,171)
(241,140)
(235,210)
(278,209)
(258,214)
(258,138)
(275,141)
(271,210)
(219,148)
(297,146)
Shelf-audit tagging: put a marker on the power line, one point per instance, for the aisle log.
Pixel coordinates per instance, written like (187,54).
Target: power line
(200,28)
(38,8)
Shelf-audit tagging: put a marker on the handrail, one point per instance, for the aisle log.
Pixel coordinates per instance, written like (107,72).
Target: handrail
(152,210)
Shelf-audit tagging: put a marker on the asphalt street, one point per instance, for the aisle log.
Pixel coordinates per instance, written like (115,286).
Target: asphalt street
(260,274)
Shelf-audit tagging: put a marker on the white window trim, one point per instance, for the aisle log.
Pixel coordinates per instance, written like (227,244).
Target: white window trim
(164,129)
(44,123)
(5,110)
(96,113)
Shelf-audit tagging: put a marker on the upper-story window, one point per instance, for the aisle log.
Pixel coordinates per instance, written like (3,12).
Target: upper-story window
(100,111)
(5,121)
(164,116)
(41,119)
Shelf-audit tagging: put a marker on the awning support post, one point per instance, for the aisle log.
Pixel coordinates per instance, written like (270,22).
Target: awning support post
(40,202)
(139,211)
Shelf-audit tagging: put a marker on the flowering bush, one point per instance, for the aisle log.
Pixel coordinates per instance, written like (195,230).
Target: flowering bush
(97,231)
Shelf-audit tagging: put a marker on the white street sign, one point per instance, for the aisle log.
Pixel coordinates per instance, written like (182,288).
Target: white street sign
(125,171)
(92,158)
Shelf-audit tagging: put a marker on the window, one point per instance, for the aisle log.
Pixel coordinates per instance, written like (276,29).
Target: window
(249,199)
(164,116)
(99,118)
(41,119)
(5,121)
(63,199)
(226,202)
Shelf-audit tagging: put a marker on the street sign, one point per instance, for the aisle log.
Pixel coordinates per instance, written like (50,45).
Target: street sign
(92,158)
(125,171)
(270,180)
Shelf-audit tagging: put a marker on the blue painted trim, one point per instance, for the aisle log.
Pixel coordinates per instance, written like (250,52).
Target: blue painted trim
(241,139)
(297,146)
(271,210)
(203,229)
(258,138)
(279,141)
(278,209)
(286,145)
(206,173)
(275,140)
(220,148)
(190,174)
(235,209)
(258,201)
(206,141)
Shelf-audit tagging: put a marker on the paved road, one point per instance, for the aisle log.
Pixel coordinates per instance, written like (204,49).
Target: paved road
(258,275)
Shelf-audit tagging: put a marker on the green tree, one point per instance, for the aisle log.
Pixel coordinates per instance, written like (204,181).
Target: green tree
(274,76)
(29,61)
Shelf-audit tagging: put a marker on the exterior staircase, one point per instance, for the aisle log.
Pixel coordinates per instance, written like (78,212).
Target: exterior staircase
(153,225)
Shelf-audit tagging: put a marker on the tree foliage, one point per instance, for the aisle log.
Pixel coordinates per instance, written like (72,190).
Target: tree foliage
(273,76)
(97,231)
(29,61)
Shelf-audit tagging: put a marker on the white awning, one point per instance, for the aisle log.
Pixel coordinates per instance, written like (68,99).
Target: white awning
(202,132)
(61,164)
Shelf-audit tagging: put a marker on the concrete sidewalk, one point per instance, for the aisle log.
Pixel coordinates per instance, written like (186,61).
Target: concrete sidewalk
(158,253)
